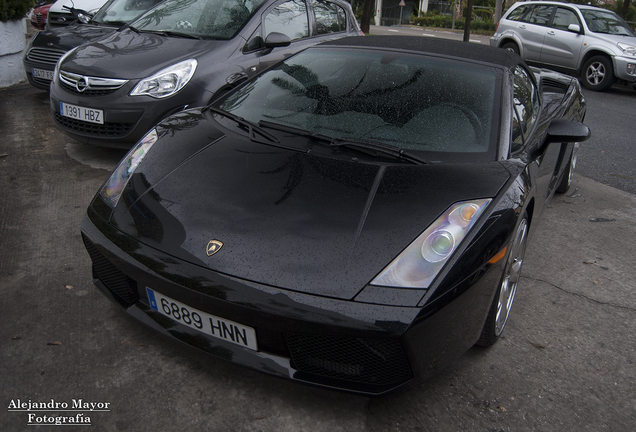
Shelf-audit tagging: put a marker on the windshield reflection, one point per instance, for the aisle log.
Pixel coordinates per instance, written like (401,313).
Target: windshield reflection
(211,19)
(412,102)
(599,21)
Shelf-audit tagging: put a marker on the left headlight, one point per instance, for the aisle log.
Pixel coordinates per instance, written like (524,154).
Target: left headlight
(627,49)
(166,82)
(421,261)
(114,186)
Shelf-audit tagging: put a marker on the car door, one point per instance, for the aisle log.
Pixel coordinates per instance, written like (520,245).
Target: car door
(562,47)
(527,105)
(531,30)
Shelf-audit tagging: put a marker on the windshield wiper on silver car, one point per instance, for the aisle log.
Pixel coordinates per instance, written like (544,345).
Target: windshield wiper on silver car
(252,128)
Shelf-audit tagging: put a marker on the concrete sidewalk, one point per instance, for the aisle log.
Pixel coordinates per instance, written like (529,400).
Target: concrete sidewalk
(566,362)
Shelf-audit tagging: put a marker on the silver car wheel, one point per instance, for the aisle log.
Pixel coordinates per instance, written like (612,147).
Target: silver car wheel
(595,73)
(512,274)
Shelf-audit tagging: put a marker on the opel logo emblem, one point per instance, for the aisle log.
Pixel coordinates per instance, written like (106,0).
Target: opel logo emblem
(81,84)
(213,247)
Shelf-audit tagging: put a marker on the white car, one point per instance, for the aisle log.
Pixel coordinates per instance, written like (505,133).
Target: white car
(589,42)
(60,15)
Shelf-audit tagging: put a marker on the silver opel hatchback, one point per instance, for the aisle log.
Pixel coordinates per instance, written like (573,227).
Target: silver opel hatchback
(592,43)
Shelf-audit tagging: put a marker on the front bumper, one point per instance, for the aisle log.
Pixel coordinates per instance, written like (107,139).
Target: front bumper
(358,347)
(126,118)
(41,60)
(625,68)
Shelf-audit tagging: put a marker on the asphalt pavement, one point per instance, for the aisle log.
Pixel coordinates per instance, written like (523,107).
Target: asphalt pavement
(566,361)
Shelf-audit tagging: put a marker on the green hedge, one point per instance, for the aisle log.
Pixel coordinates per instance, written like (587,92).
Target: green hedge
(14,10)
(444,21)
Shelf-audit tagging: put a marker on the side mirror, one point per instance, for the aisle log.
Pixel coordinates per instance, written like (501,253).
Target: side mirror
(564,131)
(276,40)
(574,28)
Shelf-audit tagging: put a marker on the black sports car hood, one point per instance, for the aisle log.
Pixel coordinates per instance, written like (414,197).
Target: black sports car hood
(69,37)
(129,55)
(293,220)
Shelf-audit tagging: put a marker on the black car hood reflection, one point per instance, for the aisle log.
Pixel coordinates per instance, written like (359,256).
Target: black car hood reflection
(128,55)
(289,219)
(67,38)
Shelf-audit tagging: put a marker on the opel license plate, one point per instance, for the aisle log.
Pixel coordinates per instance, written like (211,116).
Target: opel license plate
(81,113)
(217,327)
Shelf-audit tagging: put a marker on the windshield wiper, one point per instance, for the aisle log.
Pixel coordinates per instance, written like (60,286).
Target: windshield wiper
(375,147)
(252,128)
(128,26)
(368,147)
(294,130)
(178,34)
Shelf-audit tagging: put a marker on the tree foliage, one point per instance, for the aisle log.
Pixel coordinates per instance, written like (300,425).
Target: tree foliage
(14,10)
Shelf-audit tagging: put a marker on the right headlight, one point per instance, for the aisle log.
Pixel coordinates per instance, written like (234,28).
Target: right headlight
(166,82)
(418,264)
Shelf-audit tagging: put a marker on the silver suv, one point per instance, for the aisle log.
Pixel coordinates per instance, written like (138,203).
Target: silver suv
(594,44)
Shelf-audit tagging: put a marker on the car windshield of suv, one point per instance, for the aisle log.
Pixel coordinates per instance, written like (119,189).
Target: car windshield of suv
(209,19)
(119,12)
(599,21)
(413,102)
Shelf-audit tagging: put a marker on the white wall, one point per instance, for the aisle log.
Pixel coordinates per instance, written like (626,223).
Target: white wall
(12,42)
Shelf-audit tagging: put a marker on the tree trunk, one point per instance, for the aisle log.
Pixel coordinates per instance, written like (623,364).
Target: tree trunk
(367,13)
(625,8)
(468,12)
(499,7)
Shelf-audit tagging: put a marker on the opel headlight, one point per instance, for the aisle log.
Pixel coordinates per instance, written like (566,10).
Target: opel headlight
(114,186)
(421,261)
(166,82)
(627,49)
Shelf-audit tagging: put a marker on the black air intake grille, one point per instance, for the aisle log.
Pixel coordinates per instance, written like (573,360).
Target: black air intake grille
(121,285)
(554,85)
(361,360)
(111,130)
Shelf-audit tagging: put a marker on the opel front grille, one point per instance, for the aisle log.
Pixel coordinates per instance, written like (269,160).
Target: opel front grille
(93,85)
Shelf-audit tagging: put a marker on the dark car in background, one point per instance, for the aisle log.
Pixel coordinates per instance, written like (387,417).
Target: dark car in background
(182,53)
(355,217)
(589,42)
(46,47)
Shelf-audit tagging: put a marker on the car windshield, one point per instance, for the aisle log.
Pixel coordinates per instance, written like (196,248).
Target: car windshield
(600,21)
(210,19)
(439,106)
(119,12)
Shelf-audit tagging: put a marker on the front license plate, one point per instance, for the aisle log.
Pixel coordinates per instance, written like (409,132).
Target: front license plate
(217,327)
(81,113)
(42,74)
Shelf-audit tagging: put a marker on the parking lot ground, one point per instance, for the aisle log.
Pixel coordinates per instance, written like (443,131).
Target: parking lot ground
(566,361)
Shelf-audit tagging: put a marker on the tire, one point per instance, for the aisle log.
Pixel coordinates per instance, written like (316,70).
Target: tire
(505,296)
(597,74)
(566,181)
(511,46)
